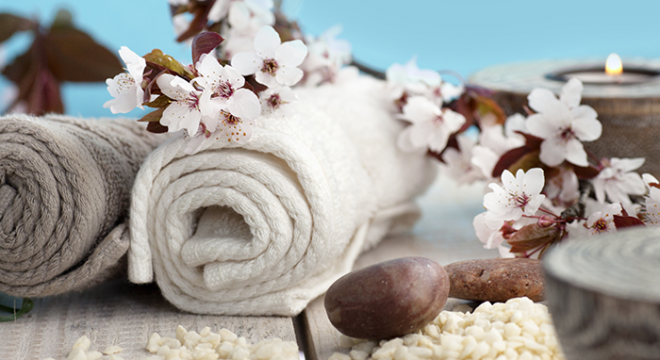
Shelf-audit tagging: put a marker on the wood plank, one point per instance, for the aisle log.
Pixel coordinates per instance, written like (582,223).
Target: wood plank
(118,313)
(444,234)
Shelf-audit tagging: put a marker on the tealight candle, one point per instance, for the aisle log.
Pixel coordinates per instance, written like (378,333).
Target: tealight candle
(612,73)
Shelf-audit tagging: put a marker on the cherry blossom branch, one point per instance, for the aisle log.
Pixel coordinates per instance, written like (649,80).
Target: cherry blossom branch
(378,74)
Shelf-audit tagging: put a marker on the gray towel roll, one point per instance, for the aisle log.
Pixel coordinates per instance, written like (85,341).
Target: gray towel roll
(64,191)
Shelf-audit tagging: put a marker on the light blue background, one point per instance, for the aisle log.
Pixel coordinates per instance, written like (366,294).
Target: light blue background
(464,36)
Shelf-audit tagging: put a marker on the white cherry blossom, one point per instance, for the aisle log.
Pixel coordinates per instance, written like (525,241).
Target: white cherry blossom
(618,181)
(275,100)
(185,112)
(409,78)
(431,126)
(563,189)
(326,56)
(272,62)
(457,163)
(492,236)
(603,221)
(651,210)
(518,196)
(562,123)
(126,88)
(225,85)
(494,141)
(245,18)
(222,8)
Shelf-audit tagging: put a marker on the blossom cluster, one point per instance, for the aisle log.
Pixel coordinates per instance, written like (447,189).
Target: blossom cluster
(222,94)
(559,190)
(421,96)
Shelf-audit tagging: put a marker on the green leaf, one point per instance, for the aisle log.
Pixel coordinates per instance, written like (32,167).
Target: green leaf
(63,19)
(153,116)
(160,102)
(27,305)
(11,24)
(157,57)
(74,56)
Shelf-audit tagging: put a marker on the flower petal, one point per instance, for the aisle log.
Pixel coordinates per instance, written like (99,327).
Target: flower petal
(575,153)
(135,63)
(209,67)
(422,134)
(545,102)
(246,63)
(265,78)
(420,109)
(174,87)
(438,139)
(571,93)
(533,181)
(234,77)
(553,152)
(173,115)
(587,129)
(245,105)
(452,120)
(266,42)
(191,121)
(291,53)
(288,76)
(584,112)
(541,126)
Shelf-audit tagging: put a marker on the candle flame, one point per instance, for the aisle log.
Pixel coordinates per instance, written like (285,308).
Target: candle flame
(613,65)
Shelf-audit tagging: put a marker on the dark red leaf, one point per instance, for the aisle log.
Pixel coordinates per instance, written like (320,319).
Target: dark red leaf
(528,161)
(204,43)
(11,24)
(531,140)
(531,237)
(156,128)
(509,158)
(655,185)
(74,56)
(199,22)
(19,68)
(627,221)
(153,116)
(586,172)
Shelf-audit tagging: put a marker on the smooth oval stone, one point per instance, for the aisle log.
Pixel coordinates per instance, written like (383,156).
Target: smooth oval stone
(389,299)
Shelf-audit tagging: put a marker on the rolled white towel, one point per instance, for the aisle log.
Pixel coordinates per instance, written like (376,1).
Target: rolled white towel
(265,228)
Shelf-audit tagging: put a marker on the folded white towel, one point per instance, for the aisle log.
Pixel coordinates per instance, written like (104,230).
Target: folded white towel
(265,228)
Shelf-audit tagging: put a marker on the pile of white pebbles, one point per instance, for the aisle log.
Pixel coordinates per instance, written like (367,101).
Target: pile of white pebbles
(190,345)
(516,330)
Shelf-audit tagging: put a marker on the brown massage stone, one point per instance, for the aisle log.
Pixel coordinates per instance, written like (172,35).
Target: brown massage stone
(389,299)
(496,280)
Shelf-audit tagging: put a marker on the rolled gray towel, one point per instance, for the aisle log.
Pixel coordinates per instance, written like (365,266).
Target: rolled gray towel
(64,191)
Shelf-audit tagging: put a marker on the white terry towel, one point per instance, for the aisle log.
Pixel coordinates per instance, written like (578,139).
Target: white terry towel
(265,228)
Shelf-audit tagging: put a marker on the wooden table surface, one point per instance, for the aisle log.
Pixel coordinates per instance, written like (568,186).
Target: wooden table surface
(119,313)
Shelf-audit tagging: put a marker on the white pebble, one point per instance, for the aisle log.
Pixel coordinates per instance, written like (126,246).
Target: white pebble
(111,350)
(93,355)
